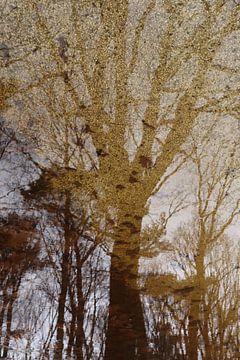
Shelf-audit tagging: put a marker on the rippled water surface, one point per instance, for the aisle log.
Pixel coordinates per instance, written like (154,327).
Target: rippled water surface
(119,180)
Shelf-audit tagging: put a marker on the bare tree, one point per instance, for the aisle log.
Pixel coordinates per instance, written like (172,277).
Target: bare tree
(199,295)
(16,242)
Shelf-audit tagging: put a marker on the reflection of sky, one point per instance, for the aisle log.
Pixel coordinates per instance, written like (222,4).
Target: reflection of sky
(183,184)
(185,181)
(15,173)
(36,307)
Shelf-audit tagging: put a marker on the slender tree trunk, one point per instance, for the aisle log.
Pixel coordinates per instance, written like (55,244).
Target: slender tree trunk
(64,282)
(61,304)
(9,317)
(197,298)
(80,311)
(207,343)
(73,323)
(3,309)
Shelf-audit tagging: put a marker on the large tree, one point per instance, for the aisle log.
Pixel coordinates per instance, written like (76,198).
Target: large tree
(108,92)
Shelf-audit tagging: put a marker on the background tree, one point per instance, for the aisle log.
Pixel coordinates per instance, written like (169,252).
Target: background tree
(16,242)
(202,256)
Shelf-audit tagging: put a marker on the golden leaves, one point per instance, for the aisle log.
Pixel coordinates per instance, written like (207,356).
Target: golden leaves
(7,89)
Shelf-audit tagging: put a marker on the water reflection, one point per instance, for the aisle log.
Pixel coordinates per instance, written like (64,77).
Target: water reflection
(77,269)
(119,164)
(197,314)
(19,254)
(63,298)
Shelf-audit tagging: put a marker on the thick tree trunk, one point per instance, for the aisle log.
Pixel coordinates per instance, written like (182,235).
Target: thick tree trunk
(192,348)
(126,335)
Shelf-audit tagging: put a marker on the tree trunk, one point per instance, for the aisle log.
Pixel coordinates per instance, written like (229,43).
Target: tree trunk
(73,323)
(195,304)
(9,316)
(192,348)
(64,281)
(61,305)
(80,311)
(126,335)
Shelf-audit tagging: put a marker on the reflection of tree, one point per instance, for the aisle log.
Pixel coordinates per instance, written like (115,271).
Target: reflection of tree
(165,332)
(18,255)
(123,85)
(68,249)
(215,213)
(202,304)
(185,319)
(15,168)
(19,244)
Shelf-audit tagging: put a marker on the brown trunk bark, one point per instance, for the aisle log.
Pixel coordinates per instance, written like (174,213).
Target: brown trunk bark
(64,282)
(61,305)
(80,311)
(192,349)
(9,318)
(3,309)
(126,335)
(207,342)
(202,290)
(73,323)
(197,297)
